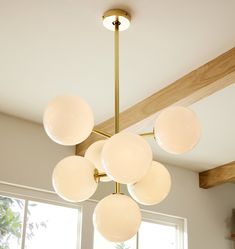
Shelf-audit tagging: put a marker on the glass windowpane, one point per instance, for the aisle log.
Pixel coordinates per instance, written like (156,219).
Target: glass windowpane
(154,236)
(51,226)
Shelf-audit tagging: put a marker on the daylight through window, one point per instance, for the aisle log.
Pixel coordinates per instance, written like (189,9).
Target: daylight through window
(26,224)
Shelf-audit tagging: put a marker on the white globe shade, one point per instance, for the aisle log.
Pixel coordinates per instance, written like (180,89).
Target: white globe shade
(177,130)
(153,187)
(68,120)
(93,154)
(117,218)
(73,179)
(126,157)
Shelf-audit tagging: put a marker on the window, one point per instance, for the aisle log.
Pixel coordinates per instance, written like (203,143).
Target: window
(26,224)
(32,218)
(156,231)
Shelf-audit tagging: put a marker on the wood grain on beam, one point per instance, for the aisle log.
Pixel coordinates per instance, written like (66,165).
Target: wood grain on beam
(200,83)
(217,176)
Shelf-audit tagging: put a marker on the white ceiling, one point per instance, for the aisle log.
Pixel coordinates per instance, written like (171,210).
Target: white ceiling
(60,46)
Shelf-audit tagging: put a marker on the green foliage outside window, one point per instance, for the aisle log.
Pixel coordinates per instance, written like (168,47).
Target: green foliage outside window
(11,222)
(121,245)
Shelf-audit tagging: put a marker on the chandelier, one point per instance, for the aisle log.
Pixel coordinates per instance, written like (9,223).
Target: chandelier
(125,157)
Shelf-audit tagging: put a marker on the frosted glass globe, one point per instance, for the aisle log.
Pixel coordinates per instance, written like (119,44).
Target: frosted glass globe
(126,157)
(153,187)
(177,130)
(73,179)
(117,218)
(68,120)
(93,154)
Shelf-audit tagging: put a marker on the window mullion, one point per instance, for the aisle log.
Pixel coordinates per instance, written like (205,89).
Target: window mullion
(23,237)
(137,240)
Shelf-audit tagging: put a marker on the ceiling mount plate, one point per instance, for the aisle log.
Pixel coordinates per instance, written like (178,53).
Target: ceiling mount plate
(113,15)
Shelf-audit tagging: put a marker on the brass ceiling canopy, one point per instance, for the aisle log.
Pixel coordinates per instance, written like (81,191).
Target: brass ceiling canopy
(111,16)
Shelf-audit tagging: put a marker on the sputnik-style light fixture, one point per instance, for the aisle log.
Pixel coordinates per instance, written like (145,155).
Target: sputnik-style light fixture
(125,157)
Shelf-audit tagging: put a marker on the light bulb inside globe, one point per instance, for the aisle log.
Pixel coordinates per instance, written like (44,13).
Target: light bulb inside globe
(93,154)
(73,179)
(68,120)
(117,218)
(177,130)
(126,157)
(153,187)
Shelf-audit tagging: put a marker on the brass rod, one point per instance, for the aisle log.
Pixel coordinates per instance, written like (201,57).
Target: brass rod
(147,134)
(117,188)
(116,79)
(102,133)
(116,74)
(101,175)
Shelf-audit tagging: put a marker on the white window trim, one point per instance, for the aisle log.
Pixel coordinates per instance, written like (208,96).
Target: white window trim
(34,194)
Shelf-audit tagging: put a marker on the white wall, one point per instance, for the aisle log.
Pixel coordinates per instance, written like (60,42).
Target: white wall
(27,157)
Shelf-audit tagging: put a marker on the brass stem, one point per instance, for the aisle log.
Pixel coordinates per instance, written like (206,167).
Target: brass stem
(101,175)
(147,134)
(102,133)
(117,188)
(116,74)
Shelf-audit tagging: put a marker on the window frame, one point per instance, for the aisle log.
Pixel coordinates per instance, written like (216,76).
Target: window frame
(28,194)
(178,222)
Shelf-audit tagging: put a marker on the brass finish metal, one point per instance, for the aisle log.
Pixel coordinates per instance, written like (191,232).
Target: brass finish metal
(147,134)
(102,133)
(98,175)
(116,75)
(101,175)
(117,188)
(110,17)
(108,135)
(118,13)
(115,20)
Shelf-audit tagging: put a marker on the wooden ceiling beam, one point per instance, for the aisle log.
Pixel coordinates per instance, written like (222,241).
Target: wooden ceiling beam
(200,83)
(217,176)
